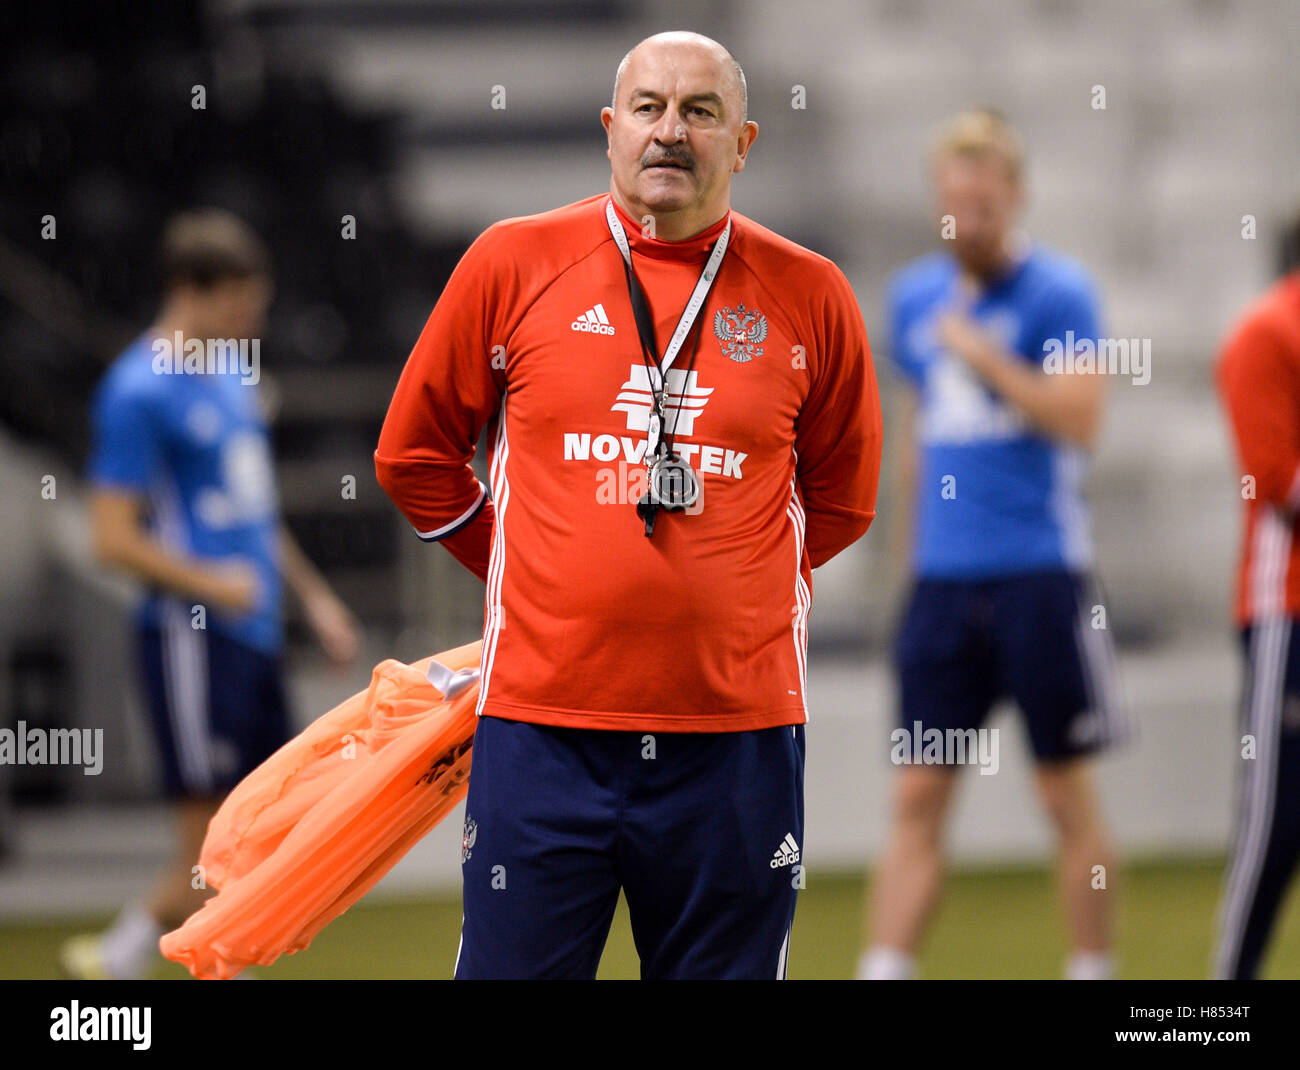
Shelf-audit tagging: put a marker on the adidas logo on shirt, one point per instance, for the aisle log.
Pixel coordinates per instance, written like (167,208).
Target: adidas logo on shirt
(785,855)
(593,321)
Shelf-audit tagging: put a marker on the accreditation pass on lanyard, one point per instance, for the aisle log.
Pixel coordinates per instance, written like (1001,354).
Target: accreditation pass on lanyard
(657,457)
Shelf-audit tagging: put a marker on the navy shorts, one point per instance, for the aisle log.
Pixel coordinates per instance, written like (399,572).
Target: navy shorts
(216,706)
(966,644)
(703,832)
(1266,838)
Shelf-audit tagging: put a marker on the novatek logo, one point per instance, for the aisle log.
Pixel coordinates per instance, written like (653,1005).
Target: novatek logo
(684,400)
(787,854)
(593,321)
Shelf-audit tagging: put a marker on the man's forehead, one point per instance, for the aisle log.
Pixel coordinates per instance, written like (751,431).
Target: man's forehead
(685,92)
(692,71)
(969,168)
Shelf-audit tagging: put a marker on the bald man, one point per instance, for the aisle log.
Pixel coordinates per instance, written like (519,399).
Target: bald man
(683,424)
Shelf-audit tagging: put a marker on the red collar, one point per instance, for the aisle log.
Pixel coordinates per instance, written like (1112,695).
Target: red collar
(694,249)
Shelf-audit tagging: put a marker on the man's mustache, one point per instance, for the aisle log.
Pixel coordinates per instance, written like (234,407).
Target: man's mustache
(681,161)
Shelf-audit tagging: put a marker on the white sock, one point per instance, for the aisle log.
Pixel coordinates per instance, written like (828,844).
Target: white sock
(1090,966)
(882,963)
(130,945)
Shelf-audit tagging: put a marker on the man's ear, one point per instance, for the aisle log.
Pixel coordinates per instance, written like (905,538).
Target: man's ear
(748,135)
(607,121)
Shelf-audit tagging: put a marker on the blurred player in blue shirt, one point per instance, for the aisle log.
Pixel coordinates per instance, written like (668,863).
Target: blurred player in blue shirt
(183,498)
(1002,604)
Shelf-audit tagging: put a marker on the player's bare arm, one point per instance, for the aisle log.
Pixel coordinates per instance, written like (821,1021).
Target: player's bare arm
(121,540)
(335,627)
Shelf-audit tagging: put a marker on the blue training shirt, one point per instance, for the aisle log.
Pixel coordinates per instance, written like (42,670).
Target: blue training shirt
(195,447)
(994,497)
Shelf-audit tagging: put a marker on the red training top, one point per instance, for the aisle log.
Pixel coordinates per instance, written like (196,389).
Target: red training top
(588,623)
(1259,379)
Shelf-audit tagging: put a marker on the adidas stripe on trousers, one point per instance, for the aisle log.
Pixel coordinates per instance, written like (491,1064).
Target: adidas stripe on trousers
(1266,839)
(702,832)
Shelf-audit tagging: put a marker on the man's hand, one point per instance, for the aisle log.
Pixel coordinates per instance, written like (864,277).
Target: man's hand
(335,627)
(967,340)
(233,586)
(119,539)
(1067,407)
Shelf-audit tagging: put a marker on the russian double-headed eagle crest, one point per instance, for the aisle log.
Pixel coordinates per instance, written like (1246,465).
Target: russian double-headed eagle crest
(740,331)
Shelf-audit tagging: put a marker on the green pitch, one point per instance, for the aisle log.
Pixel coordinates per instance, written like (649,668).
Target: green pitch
(994,923)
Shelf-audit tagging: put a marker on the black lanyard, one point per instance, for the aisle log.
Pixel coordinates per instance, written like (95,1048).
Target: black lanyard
(658,451)
(645,330)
